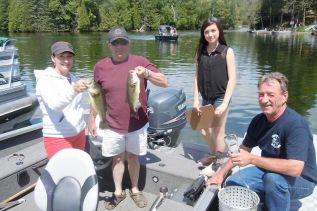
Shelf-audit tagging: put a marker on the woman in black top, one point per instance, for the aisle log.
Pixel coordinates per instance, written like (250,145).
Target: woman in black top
(215,81)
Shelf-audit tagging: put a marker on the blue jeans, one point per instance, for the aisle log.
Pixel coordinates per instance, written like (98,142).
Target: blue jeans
(275,190)
(215,103)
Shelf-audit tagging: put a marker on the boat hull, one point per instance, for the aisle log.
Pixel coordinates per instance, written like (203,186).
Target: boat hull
(23,158)
(166,38)
(15,100)
(282,33)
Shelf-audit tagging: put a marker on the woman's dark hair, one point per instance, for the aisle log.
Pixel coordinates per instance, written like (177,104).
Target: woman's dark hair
(202,41)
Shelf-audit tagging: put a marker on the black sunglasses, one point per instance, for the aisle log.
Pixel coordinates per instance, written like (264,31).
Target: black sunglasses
(119,42)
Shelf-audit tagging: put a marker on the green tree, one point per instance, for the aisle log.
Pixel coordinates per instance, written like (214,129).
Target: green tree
(222,11)
(115,12)
(39,15)
(138,21)
(71,14)
(92,7)
(151,14)
(83,21)
(4,15)
(93,15)
(19,16)
(191,13)
(304,5)
(57,16)
(250,12)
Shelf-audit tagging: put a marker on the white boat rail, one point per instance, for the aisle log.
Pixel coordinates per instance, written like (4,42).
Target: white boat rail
(8,66)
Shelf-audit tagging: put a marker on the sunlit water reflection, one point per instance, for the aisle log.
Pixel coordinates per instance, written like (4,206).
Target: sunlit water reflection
(294,55)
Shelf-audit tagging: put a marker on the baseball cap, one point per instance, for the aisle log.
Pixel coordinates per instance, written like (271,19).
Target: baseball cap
(117,33)
(61,47)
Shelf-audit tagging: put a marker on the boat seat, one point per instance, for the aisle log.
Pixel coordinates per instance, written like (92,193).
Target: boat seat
(68,182)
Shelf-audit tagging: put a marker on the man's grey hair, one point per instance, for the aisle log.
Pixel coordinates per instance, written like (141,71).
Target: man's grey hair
(275,76)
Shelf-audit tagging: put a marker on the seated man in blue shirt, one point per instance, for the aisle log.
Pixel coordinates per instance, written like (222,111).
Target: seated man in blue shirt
(286,169)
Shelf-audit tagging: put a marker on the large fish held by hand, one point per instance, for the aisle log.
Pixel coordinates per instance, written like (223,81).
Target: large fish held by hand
(134,93)
(97,101)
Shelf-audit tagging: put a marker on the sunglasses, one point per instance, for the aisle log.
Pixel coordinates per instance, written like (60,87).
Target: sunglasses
(119,42)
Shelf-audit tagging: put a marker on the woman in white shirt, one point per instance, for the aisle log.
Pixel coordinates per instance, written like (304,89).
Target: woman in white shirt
(60,94)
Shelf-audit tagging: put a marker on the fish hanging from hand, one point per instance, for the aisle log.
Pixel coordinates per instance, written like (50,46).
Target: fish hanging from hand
(134,92)
(97,100)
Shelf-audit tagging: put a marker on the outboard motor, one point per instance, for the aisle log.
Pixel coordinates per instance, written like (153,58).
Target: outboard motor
(166,108)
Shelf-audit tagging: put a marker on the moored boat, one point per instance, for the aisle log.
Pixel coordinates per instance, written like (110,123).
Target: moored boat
(167,33)
(282,32)
(14,98)
(259,31)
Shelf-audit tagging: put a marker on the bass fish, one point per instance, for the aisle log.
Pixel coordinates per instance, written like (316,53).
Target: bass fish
(97,101)
(134,92)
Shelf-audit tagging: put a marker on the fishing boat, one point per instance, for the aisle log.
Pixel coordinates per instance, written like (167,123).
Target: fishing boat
(282,32)
(171,168)
(14,98)
(166,33)
(259,31)
(169,175)
(169,163)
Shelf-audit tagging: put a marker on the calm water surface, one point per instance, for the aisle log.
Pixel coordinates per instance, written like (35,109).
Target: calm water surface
(293,55)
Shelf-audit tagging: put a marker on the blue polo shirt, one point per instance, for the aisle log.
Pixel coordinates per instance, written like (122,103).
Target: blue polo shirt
(289,137)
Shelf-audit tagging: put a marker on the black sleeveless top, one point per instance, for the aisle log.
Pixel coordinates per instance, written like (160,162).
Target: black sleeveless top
(212,75)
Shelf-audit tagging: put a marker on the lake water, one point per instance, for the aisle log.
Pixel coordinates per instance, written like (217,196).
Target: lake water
(293,55)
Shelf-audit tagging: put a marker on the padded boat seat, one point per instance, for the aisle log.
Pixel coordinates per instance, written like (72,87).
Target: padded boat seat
(68,183)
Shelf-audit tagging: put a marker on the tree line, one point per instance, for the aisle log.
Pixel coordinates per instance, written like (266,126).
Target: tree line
(147,15)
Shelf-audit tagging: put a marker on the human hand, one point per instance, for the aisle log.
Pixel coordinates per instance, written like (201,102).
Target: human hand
(242,158)
(196,107)
(221,109)
(216,179)
(81,85)
(92,125)
(88,82)
(142,72)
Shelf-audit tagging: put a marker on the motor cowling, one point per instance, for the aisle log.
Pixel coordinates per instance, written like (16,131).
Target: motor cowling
(166,110)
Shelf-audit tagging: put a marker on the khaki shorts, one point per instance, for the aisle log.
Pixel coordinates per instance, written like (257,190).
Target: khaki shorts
(114,143)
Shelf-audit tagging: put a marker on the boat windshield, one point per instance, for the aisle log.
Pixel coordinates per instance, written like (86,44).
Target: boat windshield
(4,41)
(9,62)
